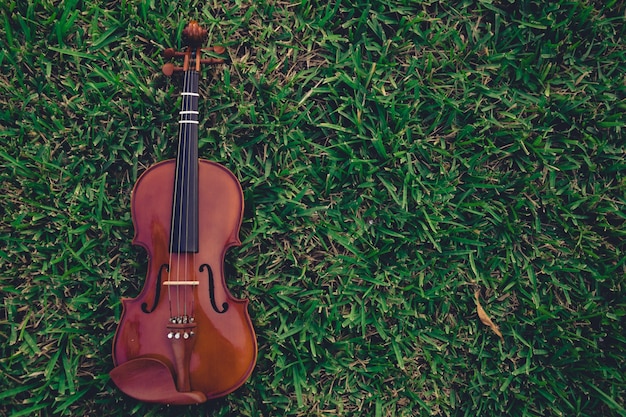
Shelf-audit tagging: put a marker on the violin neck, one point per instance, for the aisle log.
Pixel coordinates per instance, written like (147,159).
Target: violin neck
(184,235)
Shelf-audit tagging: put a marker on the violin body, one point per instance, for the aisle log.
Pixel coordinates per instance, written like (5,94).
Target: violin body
(185,339)
(225,349)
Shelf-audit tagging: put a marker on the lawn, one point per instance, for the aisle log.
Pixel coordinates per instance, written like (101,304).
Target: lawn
(405,166)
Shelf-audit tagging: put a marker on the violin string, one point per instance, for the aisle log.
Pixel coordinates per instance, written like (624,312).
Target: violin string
(190,182)
(176,205)
(189,131)
(187,155)
(172,224)
(194,165)
(181,204)
(187,99)
(178,195)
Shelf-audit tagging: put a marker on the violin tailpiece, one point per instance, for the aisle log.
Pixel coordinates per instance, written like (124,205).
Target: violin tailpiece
(183,341)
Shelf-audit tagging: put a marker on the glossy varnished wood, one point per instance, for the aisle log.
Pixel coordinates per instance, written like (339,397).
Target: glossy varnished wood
(225,348)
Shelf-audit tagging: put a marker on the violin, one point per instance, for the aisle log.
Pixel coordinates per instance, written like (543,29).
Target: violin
(185,339)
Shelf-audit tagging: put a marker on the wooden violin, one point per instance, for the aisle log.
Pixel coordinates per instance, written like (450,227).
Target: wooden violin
(185,339)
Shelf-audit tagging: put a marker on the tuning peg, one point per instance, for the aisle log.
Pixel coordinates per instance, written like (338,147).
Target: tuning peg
(169,68)
(217,49)
(172,53)
(210,61)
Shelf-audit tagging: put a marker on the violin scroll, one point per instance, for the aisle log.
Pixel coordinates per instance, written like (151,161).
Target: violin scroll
(194,35)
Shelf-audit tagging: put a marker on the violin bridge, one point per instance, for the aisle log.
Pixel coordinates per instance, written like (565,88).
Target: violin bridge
(174,283)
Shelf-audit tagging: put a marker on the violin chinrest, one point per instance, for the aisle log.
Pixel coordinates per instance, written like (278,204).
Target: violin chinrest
(151,380)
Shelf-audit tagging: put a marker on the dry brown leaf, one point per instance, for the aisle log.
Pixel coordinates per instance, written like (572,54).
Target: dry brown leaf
(482,315)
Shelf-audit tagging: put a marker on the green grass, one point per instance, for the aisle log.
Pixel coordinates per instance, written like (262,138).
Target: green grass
(395,158)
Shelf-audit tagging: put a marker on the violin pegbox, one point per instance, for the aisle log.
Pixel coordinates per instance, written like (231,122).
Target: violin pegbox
(193,36)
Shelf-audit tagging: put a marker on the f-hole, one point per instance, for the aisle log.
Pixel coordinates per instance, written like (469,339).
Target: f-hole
(212,289)
(144,306)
